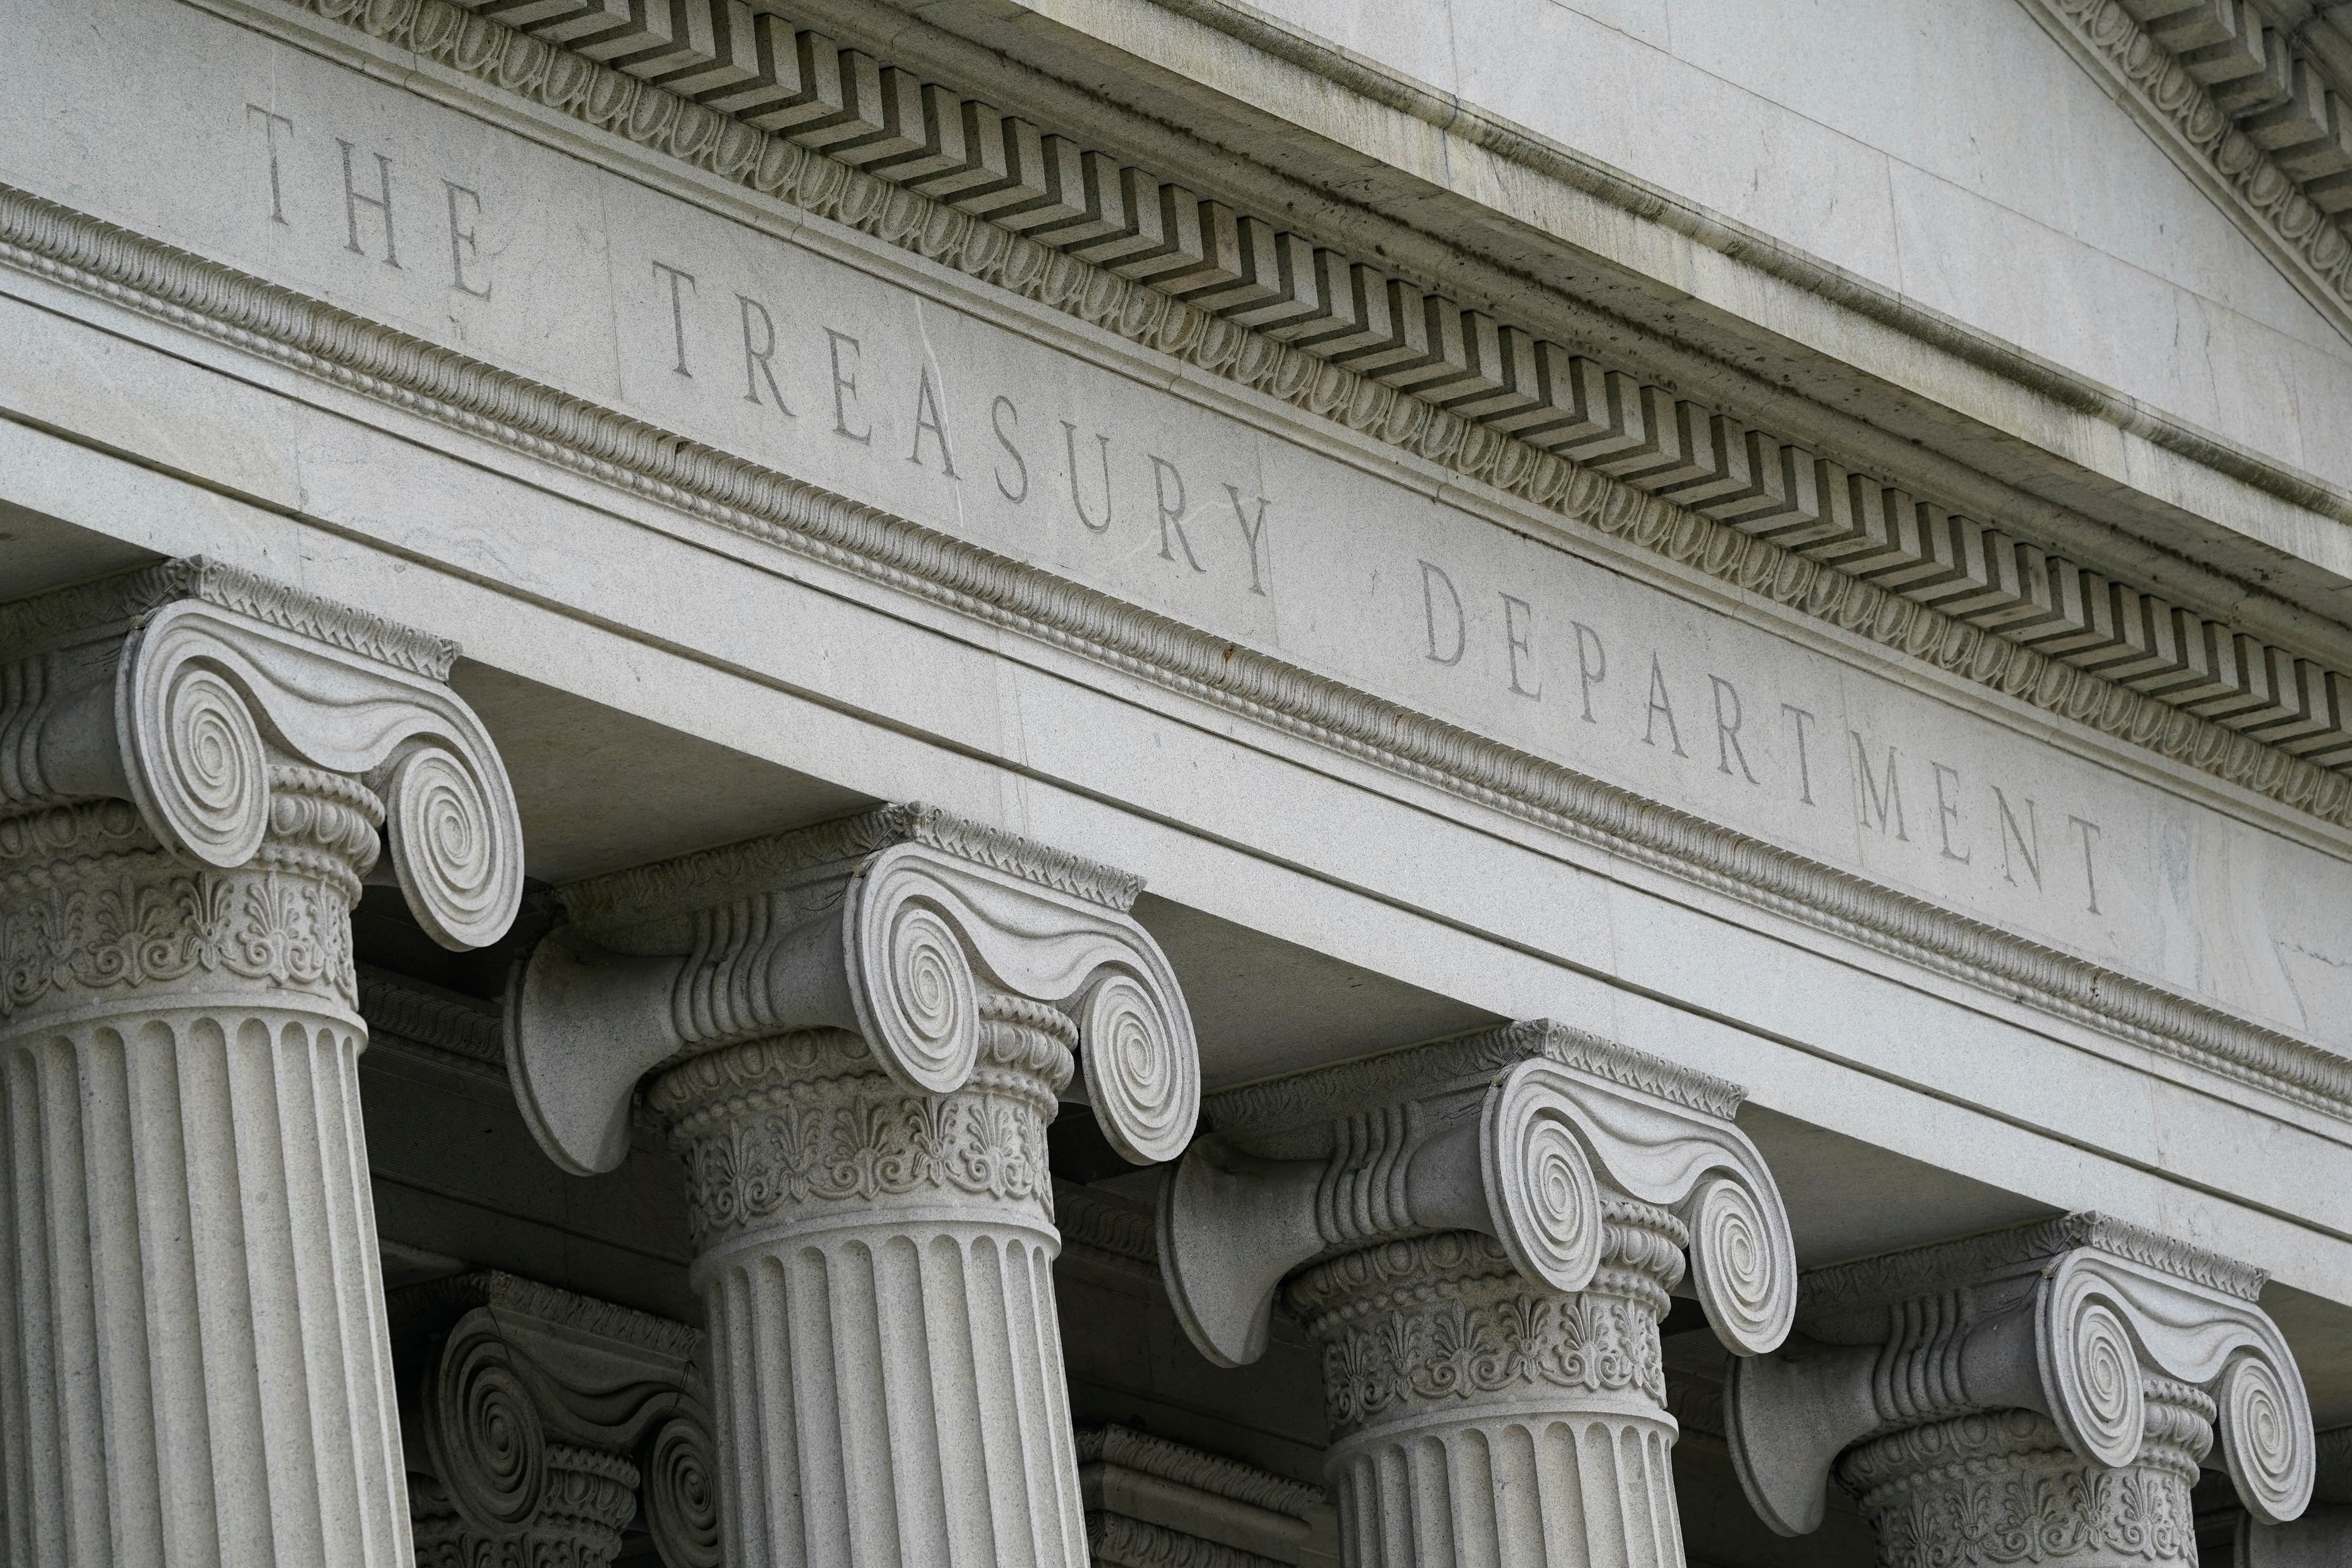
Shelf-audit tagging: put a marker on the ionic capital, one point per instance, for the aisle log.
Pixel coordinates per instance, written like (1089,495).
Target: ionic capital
(861,1029)
(539,1425)
(2123,1346)
(1547,1140)
(197,770)
(889,926)
(231,720)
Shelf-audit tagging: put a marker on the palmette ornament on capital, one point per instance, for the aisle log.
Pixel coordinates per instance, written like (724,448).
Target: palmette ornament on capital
(2064,1379)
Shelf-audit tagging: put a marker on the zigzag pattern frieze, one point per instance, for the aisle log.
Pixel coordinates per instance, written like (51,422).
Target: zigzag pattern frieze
(710,59)
(261,318)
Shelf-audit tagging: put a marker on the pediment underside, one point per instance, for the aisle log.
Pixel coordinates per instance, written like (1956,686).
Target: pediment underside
(2256,113)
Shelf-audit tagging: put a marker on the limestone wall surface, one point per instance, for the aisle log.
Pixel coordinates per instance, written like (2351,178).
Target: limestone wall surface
(1954,153)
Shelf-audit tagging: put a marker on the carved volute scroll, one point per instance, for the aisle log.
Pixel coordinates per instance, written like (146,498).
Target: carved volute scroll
(210,702)
(888,926)
(539,1425)
(856,1035)
(2083,1363)
(1523,1134)
(1483,1234)
(197,770)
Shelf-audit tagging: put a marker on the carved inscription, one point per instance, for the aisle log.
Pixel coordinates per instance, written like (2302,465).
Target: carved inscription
(371,218)
(1044,440)
(734,339)
(1900,790)
(1118,486)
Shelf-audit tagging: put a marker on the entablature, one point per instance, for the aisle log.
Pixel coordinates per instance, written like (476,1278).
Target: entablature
(1431,442)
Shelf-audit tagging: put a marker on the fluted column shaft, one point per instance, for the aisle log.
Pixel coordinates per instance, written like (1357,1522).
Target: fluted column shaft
(192,1347)
(855,1033)
(1482,1420)
(197,767)
(877,1267)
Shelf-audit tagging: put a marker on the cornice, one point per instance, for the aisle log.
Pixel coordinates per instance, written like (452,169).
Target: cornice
(1133,67)
(2267,86)
(1893,1276)
(109,604)
(439,384)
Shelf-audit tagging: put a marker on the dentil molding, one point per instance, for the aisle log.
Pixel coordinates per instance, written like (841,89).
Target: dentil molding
(1382,354)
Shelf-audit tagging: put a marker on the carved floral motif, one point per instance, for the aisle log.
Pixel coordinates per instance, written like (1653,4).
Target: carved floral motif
(1445,1318)
(768,1126)
(589,1498)
(2001,1487)
(1116,1540)
(137,917)
(264,319)
(189,766)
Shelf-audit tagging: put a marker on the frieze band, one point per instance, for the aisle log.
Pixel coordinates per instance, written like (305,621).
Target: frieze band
(739,495)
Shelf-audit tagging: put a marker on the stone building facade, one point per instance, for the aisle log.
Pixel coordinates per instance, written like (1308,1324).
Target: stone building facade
(1176,783)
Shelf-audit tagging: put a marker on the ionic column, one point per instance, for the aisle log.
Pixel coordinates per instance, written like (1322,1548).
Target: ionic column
(2046,1393)
(195,768)
(856,1035)
(1483,1234)
(541,1423)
